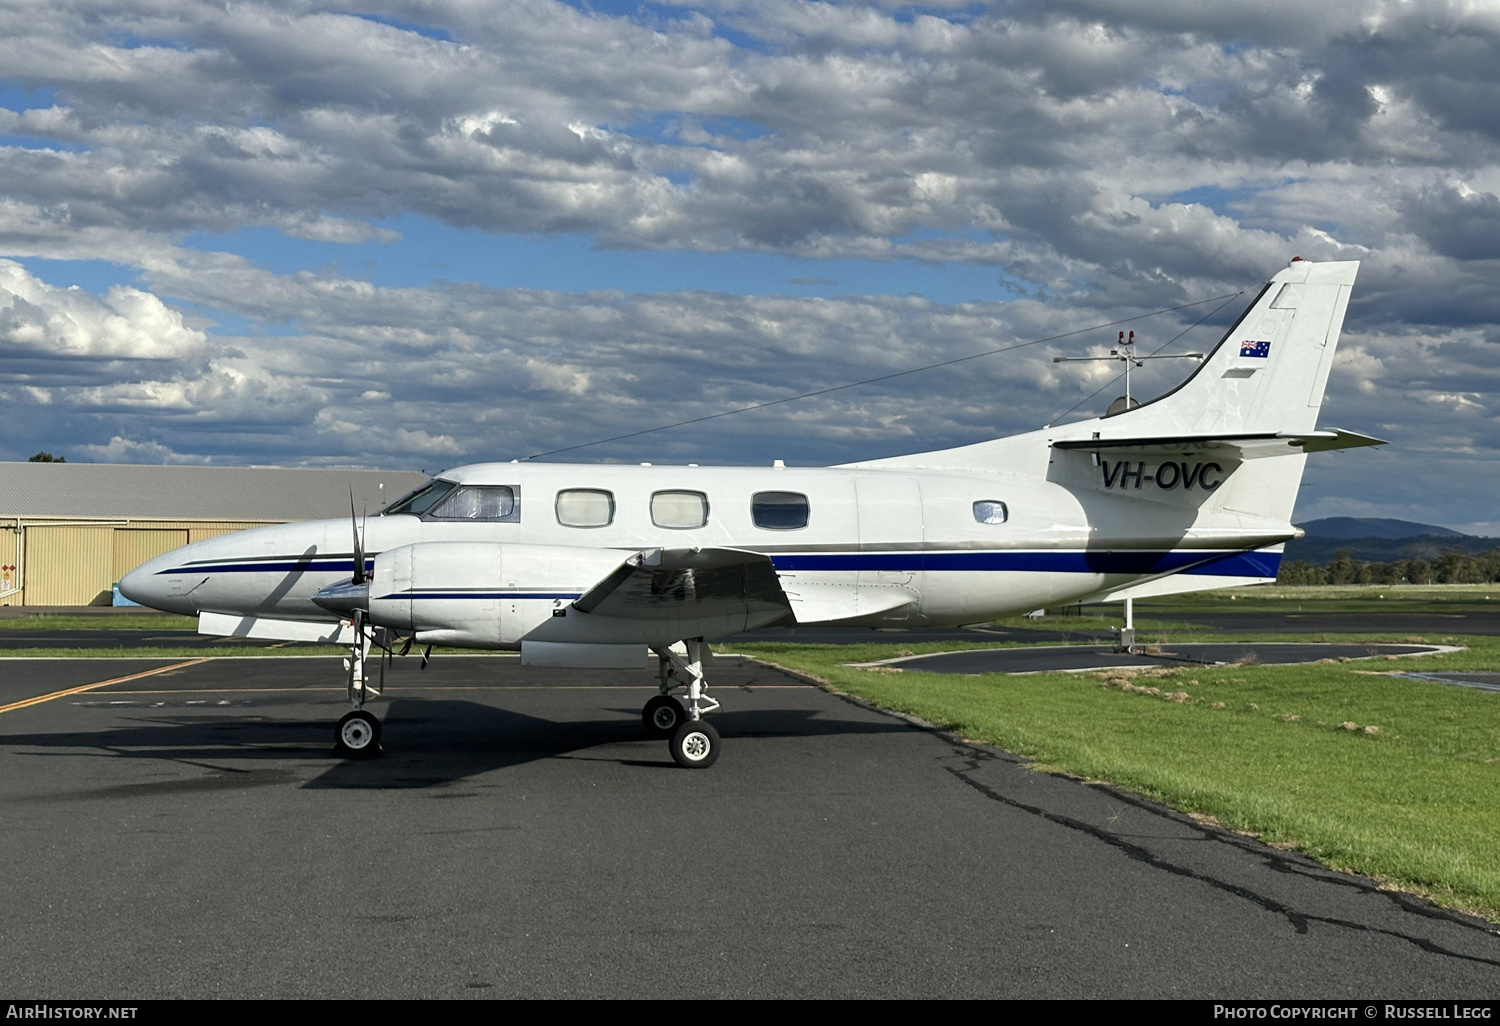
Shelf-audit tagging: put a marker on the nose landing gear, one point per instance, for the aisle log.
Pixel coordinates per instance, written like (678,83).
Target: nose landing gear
(357,735)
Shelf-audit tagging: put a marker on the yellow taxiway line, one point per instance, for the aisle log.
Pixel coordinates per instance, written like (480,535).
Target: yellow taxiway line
(39,699)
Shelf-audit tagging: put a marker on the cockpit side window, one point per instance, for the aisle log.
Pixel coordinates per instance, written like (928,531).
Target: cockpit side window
(421,500)
(480,502)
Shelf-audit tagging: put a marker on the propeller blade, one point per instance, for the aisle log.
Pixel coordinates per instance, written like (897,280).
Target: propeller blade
(359,544)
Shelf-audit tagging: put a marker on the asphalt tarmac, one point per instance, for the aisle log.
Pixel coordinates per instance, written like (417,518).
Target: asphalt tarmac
(121,637)
(1048,630)
(187,833)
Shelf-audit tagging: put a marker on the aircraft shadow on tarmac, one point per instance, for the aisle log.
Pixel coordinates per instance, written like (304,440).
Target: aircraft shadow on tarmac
(429,742)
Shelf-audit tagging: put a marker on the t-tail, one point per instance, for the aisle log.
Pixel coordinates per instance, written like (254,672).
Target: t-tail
(1215,463)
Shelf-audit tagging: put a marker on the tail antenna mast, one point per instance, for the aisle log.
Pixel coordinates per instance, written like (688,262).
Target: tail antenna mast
(1125,351)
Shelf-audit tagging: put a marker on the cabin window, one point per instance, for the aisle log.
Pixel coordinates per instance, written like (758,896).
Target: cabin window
(585,507)
(421,500)
(779,511)
(991,511)
(680,510)
(479,502)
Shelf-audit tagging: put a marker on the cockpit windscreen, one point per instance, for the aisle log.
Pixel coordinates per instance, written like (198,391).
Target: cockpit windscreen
(421,500)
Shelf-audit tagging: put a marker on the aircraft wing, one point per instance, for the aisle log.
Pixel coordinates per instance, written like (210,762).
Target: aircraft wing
(673,583)
(677,583)
(1243,446)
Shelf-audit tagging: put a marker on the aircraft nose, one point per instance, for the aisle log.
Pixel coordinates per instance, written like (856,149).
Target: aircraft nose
(146,585)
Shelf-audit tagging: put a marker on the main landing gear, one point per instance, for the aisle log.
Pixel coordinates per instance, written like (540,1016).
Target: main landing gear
(694,743)
(358,733)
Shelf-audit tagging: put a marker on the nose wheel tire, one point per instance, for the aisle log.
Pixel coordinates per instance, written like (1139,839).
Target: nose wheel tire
(357,735)
(695,745)
(663,715)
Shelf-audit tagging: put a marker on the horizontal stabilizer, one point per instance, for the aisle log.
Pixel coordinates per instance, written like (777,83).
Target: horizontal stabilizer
(1243,446)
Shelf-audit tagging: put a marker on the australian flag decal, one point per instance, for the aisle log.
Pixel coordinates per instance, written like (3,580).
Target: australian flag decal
(1260,349)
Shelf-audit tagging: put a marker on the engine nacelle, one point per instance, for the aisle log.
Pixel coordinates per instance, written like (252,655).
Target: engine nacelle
(481,595)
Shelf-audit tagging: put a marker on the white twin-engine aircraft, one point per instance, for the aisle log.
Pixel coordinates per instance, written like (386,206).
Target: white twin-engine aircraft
(587,566)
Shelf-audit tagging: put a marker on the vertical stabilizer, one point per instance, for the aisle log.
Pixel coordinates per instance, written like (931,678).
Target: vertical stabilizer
(1269,371)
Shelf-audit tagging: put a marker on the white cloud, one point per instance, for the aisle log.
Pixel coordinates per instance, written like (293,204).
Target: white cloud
(1102,156)
(38,318)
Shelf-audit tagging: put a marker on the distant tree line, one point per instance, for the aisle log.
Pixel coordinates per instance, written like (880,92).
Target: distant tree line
(1448,568)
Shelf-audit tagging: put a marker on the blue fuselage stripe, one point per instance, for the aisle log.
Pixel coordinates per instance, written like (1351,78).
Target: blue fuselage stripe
(274,565)
(1239,564)
(569,595)
(1136,563)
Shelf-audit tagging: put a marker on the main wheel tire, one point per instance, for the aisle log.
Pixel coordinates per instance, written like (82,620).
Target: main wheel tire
(695,745)
(663,715)
(357,735)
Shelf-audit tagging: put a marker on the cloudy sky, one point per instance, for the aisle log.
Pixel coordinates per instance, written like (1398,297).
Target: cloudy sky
(418,233)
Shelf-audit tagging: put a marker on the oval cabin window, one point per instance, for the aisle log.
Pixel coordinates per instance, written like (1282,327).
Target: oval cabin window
(991,511)
(779,511)
(679,510)
(585,507)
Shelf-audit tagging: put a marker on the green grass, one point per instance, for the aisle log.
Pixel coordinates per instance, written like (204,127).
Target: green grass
(1412,804)
(1331,598)
(100,622)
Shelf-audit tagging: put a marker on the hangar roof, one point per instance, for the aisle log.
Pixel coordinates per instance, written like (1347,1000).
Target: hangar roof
(115,491)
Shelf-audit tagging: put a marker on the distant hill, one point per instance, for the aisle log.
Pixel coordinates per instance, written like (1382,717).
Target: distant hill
(1375,527)
(1381,540)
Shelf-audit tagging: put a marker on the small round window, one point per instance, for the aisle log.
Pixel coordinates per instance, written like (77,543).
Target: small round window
(991,511)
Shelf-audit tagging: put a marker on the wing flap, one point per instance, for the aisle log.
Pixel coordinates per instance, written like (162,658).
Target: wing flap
(702,582)
(821,602)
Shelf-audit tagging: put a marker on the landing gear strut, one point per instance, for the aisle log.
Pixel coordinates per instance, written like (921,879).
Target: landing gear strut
(694,744)
(1127,633)
(358,733)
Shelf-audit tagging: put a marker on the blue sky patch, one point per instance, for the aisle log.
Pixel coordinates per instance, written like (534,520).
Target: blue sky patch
(441,35)
(17,97)
(95,276)
(430,251)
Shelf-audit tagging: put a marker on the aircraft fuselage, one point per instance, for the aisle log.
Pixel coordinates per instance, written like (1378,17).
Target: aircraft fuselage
(857,534)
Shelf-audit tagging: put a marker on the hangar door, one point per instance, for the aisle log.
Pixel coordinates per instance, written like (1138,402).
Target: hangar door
(66,564)
(134,546)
